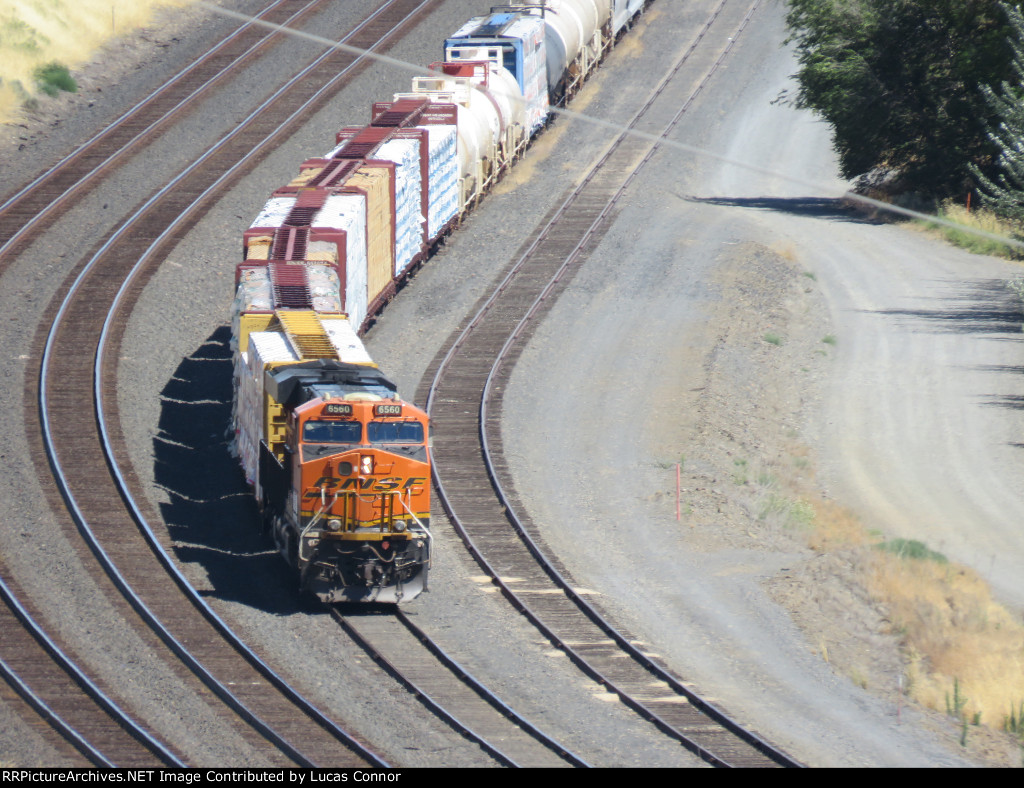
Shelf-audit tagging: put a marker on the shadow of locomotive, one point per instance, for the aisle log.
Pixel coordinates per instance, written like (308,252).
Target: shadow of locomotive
(211,516)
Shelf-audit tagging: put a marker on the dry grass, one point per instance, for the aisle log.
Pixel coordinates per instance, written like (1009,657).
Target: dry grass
(835,528)
(965,651)
(33,33)
(955,634)
(977,219)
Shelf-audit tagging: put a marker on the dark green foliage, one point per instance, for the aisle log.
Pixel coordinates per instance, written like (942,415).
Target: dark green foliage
(1003,192)
(911,548)
(898,80)
(54,77)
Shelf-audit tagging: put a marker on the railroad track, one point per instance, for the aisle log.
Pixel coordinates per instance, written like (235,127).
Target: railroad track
(463,394)
(61,186)
(90,723)
(414,659)
(77,375)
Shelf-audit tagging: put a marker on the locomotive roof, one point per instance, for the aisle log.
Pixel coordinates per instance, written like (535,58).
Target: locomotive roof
(297,383)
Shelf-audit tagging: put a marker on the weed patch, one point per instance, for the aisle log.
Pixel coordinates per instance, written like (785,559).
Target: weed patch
(793,513)
(977,219)
(963,652)
(911,548)
(36,34)
(54,77)
(966,651)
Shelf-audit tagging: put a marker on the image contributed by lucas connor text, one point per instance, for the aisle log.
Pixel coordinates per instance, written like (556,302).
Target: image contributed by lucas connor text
(192,776)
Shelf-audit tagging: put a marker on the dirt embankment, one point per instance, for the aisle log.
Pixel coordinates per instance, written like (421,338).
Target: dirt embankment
(904,627)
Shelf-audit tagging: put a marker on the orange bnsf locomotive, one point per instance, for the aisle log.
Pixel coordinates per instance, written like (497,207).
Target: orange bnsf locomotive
(338,462)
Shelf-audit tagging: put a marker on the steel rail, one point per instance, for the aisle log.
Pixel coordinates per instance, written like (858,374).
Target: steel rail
(531,545)
(431,645)
(424,697)
(120,482)
(101,138)
(52,718)
(101,699)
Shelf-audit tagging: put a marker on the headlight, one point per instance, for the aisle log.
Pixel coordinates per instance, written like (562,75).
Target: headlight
(399,525)
(366,464)
(334,524)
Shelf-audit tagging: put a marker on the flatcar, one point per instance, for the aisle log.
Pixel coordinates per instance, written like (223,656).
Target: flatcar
(338,462)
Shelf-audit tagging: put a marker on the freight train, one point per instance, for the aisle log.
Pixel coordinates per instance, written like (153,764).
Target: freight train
(339,464)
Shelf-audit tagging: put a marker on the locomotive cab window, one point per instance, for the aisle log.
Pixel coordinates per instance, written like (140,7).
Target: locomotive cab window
(394,432)
(332,432)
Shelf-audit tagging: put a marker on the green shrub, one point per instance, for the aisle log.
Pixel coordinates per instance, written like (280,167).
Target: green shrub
(911,548)
(54,77)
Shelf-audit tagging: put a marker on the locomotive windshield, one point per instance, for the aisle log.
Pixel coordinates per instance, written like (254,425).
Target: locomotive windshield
(394,432)
(332,432)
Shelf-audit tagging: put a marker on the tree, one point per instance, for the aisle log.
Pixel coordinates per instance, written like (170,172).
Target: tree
(1004,192)
(898,81)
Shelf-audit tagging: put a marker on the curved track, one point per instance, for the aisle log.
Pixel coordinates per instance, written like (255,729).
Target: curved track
(468,466)
(67,181)
(66,700)
(72,381)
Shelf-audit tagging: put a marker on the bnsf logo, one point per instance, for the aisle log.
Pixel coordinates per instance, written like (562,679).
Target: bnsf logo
(365,485)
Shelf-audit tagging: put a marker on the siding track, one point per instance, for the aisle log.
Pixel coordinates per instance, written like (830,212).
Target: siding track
(66,700)
(65,183)
(468,466)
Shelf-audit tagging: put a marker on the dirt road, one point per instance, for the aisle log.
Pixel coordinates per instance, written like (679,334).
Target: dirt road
(761,332)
